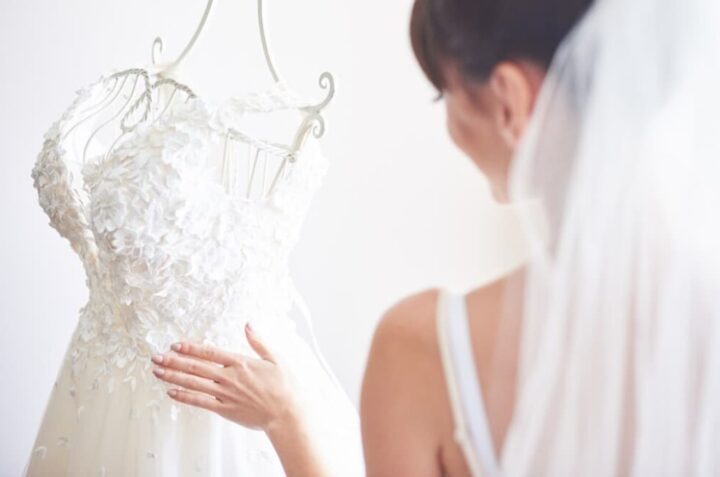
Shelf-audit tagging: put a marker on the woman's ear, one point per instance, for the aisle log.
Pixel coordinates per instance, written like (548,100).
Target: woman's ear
(515,88)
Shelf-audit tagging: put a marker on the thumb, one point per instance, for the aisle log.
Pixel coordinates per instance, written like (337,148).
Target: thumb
(258,344)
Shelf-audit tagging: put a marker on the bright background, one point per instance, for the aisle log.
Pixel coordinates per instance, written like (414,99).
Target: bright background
(401,209)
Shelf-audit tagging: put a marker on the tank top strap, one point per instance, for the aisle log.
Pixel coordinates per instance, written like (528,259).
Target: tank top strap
(472,431)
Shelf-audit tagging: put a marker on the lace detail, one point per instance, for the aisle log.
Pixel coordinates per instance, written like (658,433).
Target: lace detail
(169,253)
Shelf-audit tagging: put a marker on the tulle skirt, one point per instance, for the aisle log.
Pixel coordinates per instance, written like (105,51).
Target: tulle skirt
(125,425)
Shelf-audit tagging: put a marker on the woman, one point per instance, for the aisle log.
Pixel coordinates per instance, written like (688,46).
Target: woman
(602,356)
(487,61)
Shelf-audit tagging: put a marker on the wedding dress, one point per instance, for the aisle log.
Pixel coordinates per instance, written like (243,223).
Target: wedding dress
(147,196)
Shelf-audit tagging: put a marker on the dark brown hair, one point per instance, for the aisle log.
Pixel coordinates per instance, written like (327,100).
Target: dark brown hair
(476,35)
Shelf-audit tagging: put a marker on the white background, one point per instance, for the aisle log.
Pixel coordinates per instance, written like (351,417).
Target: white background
(401,209)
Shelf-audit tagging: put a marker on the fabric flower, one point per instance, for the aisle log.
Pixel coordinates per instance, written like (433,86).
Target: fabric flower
(169,253)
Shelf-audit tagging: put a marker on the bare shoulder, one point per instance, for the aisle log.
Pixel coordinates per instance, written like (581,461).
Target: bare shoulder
(410,323)
(408,328)
(404,353)
(401,392)
(406,417)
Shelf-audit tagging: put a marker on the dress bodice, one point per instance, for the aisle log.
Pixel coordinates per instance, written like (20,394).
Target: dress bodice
(169,252)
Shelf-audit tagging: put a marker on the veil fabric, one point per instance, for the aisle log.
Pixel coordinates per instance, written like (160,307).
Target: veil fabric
(619,370)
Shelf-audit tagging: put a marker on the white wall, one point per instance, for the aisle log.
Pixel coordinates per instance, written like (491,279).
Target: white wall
(401,208)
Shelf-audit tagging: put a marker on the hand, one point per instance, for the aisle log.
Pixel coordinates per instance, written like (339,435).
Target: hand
(255,393)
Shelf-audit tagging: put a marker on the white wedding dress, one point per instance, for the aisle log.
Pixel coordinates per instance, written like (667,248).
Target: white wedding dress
(173,252)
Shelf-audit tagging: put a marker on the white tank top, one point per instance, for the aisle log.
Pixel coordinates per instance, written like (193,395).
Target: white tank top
(472,431)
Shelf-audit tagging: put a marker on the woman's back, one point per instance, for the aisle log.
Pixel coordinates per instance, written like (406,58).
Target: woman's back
(410,427)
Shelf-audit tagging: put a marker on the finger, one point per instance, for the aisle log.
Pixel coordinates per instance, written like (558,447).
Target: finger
(190,365)
(187,381)
(258,344)
(196,399)
(206,352)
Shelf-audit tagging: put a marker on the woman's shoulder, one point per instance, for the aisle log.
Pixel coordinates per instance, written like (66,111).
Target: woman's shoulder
(407,421)
(401,404)
(405,347)
(405,341)
(410,323)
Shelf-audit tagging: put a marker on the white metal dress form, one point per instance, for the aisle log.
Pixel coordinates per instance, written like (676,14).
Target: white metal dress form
(139,94)
(313,115)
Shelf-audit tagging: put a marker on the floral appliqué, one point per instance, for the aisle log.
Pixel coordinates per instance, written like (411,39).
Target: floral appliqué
(168,253)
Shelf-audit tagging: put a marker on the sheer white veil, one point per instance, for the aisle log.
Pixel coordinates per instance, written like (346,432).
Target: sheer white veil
(619,368)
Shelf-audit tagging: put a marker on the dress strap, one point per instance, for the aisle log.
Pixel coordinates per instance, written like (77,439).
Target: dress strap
(472,431)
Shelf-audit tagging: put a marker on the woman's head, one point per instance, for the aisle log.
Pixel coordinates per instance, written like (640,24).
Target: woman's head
(488,58)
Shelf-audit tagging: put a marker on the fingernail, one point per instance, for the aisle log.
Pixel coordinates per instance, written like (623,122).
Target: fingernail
(158,358)
(177,347)
(172,393)
(249,327)
(158,371)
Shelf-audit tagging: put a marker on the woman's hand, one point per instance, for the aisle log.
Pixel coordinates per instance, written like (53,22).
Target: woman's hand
(255,393)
